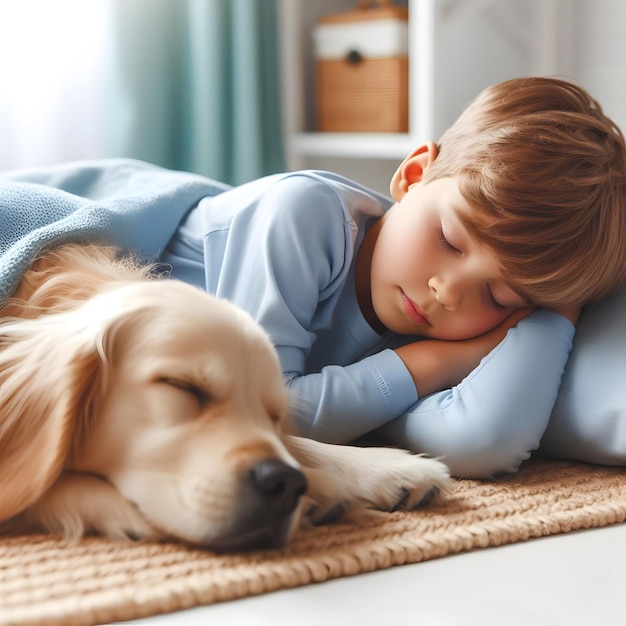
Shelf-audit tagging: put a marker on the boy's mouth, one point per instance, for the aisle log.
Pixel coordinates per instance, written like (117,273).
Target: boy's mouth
(413,312)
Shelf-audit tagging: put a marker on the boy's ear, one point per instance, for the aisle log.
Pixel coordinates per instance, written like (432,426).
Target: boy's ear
(412,169)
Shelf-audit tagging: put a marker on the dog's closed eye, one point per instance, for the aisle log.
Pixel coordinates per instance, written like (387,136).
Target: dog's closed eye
(202,395)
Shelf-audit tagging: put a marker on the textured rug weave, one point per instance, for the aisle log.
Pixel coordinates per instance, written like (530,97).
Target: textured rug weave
(45,581)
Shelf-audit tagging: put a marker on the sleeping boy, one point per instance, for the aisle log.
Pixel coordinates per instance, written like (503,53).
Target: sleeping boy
(440,319)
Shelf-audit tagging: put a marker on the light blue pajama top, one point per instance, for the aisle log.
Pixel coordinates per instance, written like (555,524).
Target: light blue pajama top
(283,248)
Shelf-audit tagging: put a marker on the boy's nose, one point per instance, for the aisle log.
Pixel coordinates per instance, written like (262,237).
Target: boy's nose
(446,291)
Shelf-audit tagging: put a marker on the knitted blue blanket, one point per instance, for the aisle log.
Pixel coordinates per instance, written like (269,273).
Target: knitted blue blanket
(131,204)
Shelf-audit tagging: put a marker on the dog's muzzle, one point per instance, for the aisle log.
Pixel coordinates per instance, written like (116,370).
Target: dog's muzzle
(269,499)
(279,484)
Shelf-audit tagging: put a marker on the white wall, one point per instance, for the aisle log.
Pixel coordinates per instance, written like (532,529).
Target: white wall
(598,53)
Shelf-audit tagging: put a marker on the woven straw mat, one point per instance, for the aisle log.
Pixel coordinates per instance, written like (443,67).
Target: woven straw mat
(46,581)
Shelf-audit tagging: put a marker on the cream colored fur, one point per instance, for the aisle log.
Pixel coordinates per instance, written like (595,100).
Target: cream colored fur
(145,408)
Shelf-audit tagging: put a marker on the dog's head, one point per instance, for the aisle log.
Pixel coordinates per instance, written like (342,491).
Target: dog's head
(173,396)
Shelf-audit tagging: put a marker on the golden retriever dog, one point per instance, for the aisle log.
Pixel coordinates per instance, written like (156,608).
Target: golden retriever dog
(145,408)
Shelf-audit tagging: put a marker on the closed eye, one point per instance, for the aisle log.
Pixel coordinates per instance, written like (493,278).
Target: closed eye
(444,242)
(202,395)
(493,303)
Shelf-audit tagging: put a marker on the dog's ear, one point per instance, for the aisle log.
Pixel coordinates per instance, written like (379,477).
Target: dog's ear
(48,367)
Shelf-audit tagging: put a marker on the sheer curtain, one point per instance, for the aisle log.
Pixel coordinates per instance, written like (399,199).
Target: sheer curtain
(196,85)
(187,84)
(52,61)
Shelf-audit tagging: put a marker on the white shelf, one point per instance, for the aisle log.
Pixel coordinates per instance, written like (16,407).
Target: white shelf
(352,145)
(456,48)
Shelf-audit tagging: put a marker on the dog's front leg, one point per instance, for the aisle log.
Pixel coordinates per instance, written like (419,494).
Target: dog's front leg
(349,478)
(78,504)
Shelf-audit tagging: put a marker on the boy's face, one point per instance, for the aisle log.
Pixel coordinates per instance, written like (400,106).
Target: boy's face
(428,276)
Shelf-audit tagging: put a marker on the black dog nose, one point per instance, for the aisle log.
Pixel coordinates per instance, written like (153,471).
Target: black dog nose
(280,484)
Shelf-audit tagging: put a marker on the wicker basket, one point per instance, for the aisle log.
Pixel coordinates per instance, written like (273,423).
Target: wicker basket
(362,69)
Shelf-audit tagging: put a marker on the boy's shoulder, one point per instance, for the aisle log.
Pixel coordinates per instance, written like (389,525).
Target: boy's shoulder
(308,200)
(321,191)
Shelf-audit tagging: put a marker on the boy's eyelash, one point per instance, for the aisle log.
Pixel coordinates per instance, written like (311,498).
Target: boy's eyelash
(493,303)
(444,242)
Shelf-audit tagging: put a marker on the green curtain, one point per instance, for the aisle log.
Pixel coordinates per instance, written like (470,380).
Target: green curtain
(195,86)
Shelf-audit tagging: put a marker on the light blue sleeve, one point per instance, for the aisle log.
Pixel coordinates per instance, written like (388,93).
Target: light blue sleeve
(281,261)
(345,403)
(489,423)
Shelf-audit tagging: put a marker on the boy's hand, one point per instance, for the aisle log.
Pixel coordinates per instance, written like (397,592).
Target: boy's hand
(437,364)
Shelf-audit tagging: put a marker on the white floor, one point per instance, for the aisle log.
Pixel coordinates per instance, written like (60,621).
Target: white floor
(574,579)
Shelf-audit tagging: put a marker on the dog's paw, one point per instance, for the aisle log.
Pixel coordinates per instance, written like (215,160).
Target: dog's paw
(397,479)
(348,481)
(79,504)
(120,521)
(373,479)
(323,511)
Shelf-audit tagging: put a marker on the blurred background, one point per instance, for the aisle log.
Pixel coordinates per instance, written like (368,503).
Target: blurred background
(227,88)
(187,84)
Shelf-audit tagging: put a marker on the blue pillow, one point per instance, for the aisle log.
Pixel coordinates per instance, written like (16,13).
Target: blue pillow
(588,422)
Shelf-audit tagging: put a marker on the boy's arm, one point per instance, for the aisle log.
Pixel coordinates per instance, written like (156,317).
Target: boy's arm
(492,420)
(435,365)
(342,403)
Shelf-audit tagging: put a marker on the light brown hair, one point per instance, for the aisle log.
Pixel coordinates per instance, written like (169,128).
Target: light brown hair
(545,171)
